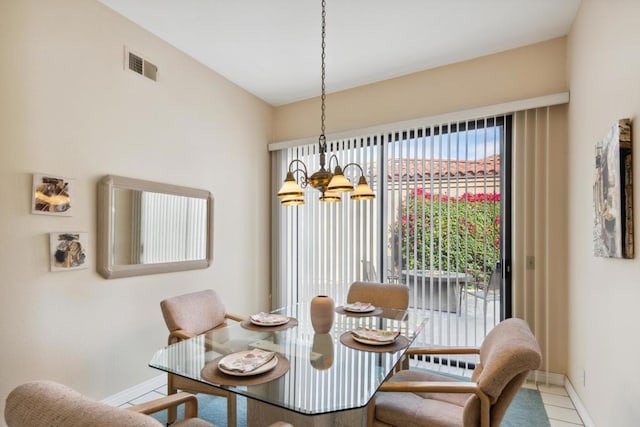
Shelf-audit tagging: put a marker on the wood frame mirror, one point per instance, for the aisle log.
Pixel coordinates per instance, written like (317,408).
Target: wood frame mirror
(147,227)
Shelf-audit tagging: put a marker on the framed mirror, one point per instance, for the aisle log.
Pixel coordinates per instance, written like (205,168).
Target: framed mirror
(147,227)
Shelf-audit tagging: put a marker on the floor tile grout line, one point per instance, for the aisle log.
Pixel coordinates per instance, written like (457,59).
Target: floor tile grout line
(561,407)
(566,422)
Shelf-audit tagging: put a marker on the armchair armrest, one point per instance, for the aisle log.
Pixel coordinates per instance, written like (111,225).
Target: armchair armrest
(432,386)
(179,335)
(235,317)
(415,351)
(170,401)
(443,350)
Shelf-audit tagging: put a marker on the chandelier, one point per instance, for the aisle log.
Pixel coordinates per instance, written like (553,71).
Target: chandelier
(330,185)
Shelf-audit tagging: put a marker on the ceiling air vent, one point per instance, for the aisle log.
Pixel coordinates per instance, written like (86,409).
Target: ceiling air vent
(139,65)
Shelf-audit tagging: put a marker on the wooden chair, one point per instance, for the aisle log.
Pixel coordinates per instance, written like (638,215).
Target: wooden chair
(411,397)
(189,315)
(50,404)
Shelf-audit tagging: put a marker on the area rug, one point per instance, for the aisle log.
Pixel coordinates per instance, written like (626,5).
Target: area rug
(526,409)
(212,409)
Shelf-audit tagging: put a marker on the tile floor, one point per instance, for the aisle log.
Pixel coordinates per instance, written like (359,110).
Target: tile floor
(560,409)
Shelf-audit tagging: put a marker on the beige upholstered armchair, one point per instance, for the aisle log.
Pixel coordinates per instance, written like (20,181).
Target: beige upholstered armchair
(193,314)
(50,404)
(383,295)
(418,398)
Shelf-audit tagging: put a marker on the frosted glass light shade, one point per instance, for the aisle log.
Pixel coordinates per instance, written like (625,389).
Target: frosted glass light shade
(331,197)
(292,201)
(290,188)
(363,191)
(339,182)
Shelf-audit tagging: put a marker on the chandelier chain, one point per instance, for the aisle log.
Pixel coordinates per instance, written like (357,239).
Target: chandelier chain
(328,183)
(323,96)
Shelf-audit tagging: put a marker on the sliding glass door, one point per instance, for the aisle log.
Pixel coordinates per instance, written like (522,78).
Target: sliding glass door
(437,225)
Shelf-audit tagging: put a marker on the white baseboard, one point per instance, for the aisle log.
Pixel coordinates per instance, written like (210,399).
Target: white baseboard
(136,391)
(582,411)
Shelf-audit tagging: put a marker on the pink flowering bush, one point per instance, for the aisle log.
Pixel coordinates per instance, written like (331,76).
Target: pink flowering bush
(447,233)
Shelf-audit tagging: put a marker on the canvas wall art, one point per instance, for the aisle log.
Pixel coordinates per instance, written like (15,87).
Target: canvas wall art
(51,195)
(68,251)
(613,193)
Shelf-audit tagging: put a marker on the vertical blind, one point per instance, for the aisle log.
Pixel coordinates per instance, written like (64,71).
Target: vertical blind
(539,201)
(320,246)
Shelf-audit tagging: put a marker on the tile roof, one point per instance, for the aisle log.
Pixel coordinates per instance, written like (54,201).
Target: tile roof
(437,168)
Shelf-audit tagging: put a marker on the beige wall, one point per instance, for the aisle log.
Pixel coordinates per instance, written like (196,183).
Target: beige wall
(512,75)
(604,74)
(67,107)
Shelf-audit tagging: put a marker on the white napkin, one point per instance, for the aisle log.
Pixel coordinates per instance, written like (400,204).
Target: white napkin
(375,334)
(246,361)
(359,306)
(263,317)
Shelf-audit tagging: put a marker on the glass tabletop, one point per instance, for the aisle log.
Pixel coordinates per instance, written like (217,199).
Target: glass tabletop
(324,375)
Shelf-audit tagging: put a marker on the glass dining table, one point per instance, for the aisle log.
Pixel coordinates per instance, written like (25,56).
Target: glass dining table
(320,379)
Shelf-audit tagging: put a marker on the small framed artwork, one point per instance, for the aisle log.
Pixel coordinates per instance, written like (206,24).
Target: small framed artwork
(613,193)
(51,195)
(68,251)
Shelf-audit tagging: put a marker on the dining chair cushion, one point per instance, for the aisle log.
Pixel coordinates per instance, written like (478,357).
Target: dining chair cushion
(384,295)
(195,312)
(421,409)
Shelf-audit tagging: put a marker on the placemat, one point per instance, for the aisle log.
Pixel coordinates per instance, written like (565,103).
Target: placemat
(340,309)
(400,343)
(211,373)
(248,325)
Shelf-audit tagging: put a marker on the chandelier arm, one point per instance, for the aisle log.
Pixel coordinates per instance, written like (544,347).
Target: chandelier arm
(353,164)
(333,156)
(302,171)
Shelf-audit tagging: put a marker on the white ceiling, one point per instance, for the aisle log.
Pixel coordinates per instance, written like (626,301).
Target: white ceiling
(271,48)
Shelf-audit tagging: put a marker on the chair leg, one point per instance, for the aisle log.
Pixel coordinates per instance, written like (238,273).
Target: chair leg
(172,412)
(232,415)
